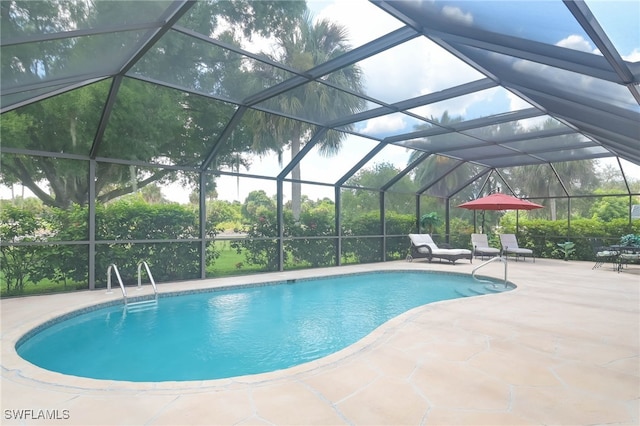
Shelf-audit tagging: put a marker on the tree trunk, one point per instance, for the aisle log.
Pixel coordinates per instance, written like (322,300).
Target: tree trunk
(296,187)
(134,179)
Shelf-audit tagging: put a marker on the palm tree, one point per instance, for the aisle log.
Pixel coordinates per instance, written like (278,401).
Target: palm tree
(309,45)
(429,221)
(541,181)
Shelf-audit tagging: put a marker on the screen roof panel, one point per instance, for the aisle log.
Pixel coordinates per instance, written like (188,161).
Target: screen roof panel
(67,58)
(551,23)
(55,18)
(620,19)
(408,71)
(328,167)
(193,64)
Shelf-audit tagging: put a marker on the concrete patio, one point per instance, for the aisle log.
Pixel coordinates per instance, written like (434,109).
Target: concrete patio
(563,349)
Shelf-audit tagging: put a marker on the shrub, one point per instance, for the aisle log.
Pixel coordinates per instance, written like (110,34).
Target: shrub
(314,224)
(20,263)
(543,236)
(259,245)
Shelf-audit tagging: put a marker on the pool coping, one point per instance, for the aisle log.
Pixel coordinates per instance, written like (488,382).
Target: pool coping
(45,376)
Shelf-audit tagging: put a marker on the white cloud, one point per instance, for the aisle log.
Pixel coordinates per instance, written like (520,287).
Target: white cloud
(384,124)
(516,103)
(576,42)
(363,20)
(456,14)
(634,56)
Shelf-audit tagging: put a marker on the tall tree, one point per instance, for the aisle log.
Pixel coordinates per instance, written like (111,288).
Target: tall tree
(309,45)
(360,201)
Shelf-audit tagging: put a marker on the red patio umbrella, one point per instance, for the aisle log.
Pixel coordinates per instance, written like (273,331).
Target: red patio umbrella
(499,201)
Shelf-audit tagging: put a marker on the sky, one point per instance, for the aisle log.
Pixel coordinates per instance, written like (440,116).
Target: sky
(416,68)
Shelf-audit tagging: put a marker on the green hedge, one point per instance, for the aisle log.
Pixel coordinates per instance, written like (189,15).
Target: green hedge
(310,241)
(543,236)
(117,224)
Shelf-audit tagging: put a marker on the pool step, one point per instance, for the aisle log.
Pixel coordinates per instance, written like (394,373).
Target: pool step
(466,292)
(481,290)
(143,305)
(498,288)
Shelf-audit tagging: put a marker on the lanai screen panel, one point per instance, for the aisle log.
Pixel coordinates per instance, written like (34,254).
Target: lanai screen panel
(631,172)
(389,125)
(561,61)
(390,156)
(533,181)
(196,65)
(409,70)
(64,124)
(347,13)
(442,143)
(463,108)
(619,19)
(326,165)
(48,41)
(163,125)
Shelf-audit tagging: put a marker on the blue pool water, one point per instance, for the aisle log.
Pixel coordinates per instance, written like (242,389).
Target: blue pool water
(239,331)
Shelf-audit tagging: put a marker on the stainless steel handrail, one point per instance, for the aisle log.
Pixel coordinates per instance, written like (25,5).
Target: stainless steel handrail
(153,283)
(115,268)
(493,259)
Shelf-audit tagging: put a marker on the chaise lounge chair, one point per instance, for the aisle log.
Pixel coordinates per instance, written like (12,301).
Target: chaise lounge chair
(423,246)
(510,246)
(481,246)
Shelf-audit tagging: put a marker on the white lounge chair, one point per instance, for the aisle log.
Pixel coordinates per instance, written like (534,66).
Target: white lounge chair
(481,246)
(510,246)
(423,246)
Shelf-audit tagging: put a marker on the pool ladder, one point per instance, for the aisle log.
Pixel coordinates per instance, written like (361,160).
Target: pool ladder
(138,305)
(493,259)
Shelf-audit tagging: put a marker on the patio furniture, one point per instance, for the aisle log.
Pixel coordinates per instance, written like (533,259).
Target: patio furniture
(510,246)
(627,258)
(481,246)
(604,254)
(422,246)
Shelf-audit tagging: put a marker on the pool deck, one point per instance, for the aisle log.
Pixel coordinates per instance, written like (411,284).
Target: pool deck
(563,348)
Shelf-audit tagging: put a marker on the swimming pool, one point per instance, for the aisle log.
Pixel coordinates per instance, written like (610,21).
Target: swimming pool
(236,331)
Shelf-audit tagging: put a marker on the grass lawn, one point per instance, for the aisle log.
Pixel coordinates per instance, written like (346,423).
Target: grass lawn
(43,287)
(230,262)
